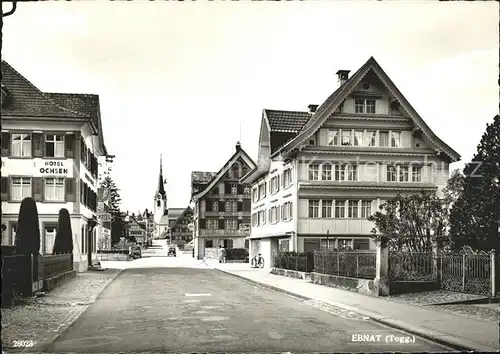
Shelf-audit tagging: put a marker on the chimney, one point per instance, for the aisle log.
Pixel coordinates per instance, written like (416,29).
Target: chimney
(343,76)
(312,108)
(238,146)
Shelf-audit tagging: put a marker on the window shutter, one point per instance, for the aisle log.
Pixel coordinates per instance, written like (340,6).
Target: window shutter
(227,188)
(246,204)
(5,188)
(221,206)
(283,180)
(82,186)
(5,144)
(221,224)
(202,224)
(208,205)
(70,190)
(37,189)
(83,150)
(241,189)
(277,182)
(69,145)
(240,206)
(37,144)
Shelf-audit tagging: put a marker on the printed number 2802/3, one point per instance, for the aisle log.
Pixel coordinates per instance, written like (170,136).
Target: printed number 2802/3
(23,343)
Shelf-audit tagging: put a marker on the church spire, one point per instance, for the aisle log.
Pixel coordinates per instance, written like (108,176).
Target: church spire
(161,188)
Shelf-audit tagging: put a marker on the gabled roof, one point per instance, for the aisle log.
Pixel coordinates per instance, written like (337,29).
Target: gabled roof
(26,100)
(164,220)
(240,153)
(286,121)
(199,180)
(82,102)
(174,213)
(337,98)
(284,125)
(184,212)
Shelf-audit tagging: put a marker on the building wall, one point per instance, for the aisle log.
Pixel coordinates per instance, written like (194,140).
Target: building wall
(209,221)
(406,147)
(37,168)
(262,224)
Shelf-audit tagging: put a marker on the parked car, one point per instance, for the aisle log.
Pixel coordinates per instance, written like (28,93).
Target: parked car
(172,252)
(136,251)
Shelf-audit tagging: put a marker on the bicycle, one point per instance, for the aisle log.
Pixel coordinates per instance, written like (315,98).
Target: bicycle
(258,262)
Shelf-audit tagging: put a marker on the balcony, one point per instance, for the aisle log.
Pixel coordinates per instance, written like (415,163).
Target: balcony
(226,213)
(334,226)
(229,196)
(224,233)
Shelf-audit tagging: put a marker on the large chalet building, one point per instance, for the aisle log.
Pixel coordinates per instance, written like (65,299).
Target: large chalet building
(322,172)
(51,143)
(221,213)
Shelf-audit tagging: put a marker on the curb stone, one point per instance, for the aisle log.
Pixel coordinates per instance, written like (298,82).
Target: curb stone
(77,310)
(434,336)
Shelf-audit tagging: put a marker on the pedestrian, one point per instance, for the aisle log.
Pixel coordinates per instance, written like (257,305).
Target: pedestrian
(223,253)
(220,253)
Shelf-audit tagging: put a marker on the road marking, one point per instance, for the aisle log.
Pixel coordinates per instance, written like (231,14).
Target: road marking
(202,294)
(225,337)
(213,318)
(275,335)
(201,312)
(210,307)
(192,300)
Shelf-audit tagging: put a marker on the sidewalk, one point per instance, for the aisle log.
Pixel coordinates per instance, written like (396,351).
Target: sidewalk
(39,321)
(456,331)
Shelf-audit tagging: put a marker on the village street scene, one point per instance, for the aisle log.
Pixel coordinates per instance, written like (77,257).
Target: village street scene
(250,177)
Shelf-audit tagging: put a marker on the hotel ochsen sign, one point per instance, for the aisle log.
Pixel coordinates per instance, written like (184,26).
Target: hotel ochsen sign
(53,168)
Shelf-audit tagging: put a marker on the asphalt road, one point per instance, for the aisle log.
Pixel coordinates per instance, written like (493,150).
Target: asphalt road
(203,310)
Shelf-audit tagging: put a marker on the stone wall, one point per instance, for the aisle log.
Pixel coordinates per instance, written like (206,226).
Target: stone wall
(363,286)
(291,273)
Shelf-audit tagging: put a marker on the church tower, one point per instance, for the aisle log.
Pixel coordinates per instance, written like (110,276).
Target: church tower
(160,198)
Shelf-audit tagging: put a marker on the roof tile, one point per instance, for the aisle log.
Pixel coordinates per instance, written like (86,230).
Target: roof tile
(287,121)
(27,100)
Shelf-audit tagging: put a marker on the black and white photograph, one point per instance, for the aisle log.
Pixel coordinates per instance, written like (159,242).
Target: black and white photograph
(311,176)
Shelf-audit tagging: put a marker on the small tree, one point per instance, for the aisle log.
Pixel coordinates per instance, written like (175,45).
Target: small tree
(64,236)
(117,217)
(411,221)
(475,217)
(28,229)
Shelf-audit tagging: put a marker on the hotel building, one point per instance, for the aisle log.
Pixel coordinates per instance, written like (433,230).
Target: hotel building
(50,147)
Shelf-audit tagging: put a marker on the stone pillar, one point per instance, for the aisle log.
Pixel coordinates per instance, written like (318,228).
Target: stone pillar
(437,246)
(381,281)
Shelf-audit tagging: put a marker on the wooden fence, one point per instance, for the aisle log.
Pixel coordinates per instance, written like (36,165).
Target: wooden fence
(22,274)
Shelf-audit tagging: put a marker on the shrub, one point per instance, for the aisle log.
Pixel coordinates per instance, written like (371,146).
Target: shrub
(236,254)
(28,228)
(64,236)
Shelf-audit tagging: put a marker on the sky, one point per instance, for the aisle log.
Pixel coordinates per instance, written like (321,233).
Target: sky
(189,79)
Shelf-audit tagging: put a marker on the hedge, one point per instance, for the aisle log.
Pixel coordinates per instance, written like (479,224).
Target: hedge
(233,254)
